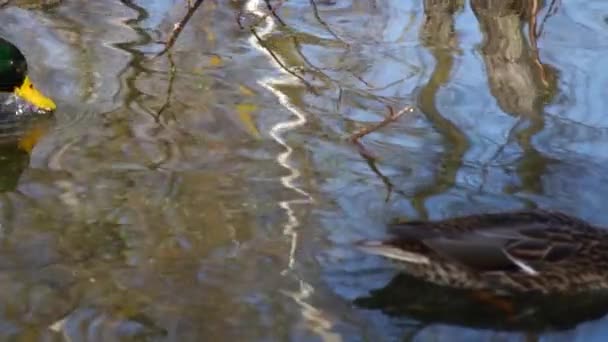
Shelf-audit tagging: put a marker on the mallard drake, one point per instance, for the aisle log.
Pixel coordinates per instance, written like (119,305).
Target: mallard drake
(17,93)
(513,252)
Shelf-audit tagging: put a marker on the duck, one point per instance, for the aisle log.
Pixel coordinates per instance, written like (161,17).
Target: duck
(18,95)
(507,253)
(415,299)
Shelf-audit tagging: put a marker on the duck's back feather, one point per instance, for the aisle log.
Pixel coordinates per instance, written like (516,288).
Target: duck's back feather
(525,241)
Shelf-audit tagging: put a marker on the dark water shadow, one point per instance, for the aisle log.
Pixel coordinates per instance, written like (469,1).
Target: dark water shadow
(18,137)
(407,296)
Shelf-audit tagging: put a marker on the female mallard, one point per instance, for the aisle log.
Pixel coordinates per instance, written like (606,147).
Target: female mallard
(17,93)
(523,251)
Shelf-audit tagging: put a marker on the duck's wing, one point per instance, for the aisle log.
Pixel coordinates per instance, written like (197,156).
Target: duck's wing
(509,242)
(500,252)
(515,220)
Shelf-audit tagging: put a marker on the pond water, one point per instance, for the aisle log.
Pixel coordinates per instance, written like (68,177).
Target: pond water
(213,193)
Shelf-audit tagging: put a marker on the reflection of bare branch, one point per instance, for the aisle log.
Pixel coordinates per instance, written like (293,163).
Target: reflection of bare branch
(553,8)
(317,72)
(392,116)
(169,88)
(308,68)
(368,156)
(362,80)
(497,153)
(320,73)
(390,188)
(280,63)
(271,11)
(571,122)
(179,26)
(251,27)
(315,10)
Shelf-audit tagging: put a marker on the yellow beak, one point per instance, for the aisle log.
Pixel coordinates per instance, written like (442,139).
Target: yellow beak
(29,93)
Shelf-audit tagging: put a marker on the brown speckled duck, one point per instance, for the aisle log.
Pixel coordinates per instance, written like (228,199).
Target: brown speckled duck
(512,252)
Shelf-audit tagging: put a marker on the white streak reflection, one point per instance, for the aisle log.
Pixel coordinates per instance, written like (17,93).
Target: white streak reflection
(316,320)
(279,130)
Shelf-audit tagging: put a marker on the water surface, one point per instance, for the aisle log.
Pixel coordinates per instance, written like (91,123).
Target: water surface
(213,193)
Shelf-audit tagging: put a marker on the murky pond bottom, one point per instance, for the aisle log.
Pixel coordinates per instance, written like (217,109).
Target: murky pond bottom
(213,194)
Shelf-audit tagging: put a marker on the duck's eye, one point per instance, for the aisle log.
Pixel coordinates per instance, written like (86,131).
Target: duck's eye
(31,86)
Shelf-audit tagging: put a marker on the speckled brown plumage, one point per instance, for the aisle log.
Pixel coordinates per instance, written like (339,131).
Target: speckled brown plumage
(523,251)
